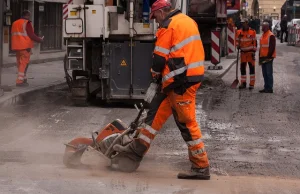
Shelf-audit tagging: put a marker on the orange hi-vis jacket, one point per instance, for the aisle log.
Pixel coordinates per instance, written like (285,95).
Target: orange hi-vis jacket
(248,40)
(264,45)
(179,53)
(19,37)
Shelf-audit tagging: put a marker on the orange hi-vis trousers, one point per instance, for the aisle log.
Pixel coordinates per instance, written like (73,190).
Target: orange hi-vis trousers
(183,108)
(23,57)
(247,58)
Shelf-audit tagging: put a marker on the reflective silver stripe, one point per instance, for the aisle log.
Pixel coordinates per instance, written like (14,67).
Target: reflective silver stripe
(19,33)
(162,50)
(20,73)
(182,69)
(20,78)
(24,33)
(145,138)
(246,39)
(150,129)
(267,44)
(177,46)
(194,142)
(185,42)
(248,48)
(199,151)
(264,45)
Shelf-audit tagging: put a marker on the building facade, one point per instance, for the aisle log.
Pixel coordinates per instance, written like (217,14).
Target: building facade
(47,21)
(264,9)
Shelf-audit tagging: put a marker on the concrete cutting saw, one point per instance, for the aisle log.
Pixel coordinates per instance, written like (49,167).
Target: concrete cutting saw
(78,151)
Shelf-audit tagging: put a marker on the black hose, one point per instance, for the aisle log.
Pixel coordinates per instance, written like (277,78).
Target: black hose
(84,15)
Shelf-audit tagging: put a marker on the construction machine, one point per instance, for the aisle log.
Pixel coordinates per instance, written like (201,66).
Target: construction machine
(109,44)
(82,151)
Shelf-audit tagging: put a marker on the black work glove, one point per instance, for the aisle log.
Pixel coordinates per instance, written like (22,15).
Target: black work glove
(263,60)
(156,79)
(253,56)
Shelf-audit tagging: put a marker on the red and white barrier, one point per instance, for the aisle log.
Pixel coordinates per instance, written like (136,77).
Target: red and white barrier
(65,9)
(231,39)
(297,31)
(215,47)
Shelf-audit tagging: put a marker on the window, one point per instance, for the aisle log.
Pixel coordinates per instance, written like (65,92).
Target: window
(51,26)
(17,9)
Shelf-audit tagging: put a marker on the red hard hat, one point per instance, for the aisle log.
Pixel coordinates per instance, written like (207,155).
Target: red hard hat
(159,4)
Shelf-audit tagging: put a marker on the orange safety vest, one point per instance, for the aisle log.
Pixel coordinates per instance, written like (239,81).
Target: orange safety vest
(180,44)
(264,44)
(19,37)
(248,40)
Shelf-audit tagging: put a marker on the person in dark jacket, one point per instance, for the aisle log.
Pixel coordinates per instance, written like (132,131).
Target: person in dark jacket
(238,23)
(283,28)
(257,25)
(252,23)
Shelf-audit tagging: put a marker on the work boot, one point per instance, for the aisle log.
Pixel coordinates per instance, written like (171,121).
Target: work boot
(266,91)
(242,86)
(22,84)
(251,87)
(195,173)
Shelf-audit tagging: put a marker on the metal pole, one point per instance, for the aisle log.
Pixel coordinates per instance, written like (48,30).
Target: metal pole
(1,42)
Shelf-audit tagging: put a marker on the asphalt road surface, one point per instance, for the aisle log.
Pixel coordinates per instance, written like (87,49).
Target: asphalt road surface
(252,141)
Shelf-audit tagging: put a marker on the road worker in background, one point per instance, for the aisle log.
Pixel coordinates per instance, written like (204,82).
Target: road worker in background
(178,65)
(22,37)
(267,54)
(247,43)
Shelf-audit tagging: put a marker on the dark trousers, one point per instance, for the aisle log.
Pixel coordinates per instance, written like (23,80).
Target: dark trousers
(286,35)
(267,70)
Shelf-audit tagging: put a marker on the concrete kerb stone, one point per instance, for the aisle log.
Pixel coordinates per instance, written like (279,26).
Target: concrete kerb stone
(12,99)
(220,73)
(227,69)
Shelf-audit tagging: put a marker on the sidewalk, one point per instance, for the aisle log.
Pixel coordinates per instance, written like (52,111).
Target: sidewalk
(44,75)
(226,62)
(42,58)
(39,76)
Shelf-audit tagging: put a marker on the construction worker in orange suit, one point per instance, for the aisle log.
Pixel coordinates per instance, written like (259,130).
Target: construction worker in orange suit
(247,43)
(178,64)
(22,37)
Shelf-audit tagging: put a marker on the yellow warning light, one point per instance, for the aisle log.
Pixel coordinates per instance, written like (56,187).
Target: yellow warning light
(123,63)
(73,13)
(146,25)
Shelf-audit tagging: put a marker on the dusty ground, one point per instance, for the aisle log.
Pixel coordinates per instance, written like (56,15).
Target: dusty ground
(251,138)
(258,134)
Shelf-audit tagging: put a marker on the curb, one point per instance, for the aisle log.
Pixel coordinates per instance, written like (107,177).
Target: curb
(36,61)
(15,98)
(222,74)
